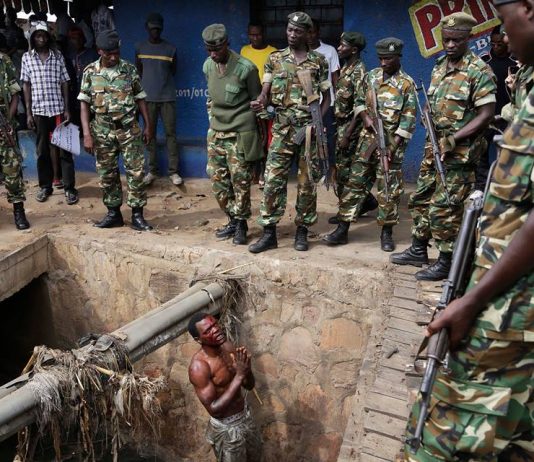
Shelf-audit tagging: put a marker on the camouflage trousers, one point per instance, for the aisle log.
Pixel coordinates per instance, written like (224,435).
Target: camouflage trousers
(344,157)
(235,439)
(484,409)
(109,143)
(11,167)
(282,152)
(432,216)
(230,174)
(363,174)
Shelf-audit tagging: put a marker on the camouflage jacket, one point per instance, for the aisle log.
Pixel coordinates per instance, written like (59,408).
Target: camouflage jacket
(287,94)
(524,81)
(8,82)
(350,78)
(112,92)
(510,200)
(456,94)
(395,99)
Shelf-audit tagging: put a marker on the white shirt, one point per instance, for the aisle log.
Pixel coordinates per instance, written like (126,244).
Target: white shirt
(330,53)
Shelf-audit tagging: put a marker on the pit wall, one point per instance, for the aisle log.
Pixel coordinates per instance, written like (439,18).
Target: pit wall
(307,328)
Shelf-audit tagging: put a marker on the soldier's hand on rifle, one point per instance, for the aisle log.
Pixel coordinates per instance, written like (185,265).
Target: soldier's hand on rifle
(446,145)
(368,122)
(88,143)
(458,318)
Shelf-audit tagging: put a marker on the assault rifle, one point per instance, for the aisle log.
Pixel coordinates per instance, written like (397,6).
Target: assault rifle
(7,132)
(314,108)
(454,287)
(426,116)
(381,142)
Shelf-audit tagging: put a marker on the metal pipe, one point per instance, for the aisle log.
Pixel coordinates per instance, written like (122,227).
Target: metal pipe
(142,336)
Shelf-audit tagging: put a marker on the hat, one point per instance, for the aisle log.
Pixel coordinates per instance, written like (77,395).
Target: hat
(39,25)
(459,21)
(154,21)
(354,39)
(214,35)
(108,40)
(300,19)
(389,46)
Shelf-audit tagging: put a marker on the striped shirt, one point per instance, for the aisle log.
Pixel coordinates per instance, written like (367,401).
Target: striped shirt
(45,80)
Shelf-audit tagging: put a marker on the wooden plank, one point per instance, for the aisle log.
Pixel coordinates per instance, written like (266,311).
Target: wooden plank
(398,362)
(387,405)
(406,269)
(402,313)
(371,458)
(406,326)
(381,446)
(400,336)
(405,292)
(404,303)
(384,424)
(409,283)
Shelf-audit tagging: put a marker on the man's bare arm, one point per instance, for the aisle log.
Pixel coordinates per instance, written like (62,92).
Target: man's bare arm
(261,101)
(84,118)
(325,103)
(483,118)
(27,90)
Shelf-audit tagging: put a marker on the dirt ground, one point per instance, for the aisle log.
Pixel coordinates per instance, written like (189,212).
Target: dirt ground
(189,215)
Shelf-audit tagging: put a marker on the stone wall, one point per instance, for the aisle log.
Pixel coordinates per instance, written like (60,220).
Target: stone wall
(306,326)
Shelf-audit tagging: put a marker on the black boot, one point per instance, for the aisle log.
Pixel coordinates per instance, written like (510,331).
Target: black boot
(415,255)
(387,244)
(333,220)
(340,235)
(301,239)
(240,235)
(113,219)
(266,242)
(437,271)
(369,204)
(20,217)
(227,230)
(138,220)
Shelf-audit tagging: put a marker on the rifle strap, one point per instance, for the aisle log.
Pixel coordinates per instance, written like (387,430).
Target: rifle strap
(307,152)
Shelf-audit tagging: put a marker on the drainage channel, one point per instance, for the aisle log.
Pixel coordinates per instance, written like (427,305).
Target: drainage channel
(309,329)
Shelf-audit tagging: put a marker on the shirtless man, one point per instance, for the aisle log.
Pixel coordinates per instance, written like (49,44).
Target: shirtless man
(218,370)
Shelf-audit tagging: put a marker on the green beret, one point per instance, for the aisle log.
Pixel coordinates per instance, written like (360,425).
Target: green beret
(214,35)
(389,46)
(108,40)
(459,21)
(154,21)
(354,39)
(300,19)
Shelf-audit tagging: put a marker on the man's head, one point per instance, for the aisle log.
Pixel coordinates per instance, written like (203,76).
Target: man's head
(314,35)
(498,45)
(518,21)
(350,44)
(216,41)
(205,329)
(455,34)
(389,51)
(298,27)
(154,25)
(255,35)
(76,38)
(39,35)
(108,45)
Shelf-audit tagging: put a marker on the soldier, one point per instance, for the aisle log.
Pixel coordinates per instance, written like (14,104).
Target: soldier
(482,408)
(111,91)
(462,99)
(10,158)
(391,91)
(282,87)
(233,138)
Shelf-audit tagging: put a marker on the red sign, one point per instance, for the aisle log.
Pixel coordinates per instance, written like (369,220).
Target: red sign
(427,14)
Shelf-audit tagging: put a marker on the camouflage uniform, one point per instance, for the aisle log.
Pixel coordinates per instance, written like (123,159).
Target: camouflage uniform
(454,96)
(397,108)
(289,99)
(484,409)
(524,82)
(350,78)
(10,158)
(112,94)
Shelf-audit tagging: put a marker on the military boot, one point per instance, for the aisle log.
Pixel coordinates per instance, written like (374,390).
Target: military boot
(415,255)
(113,219)
(227,230)
(340,235)
(438,271)
(20,216)
(369,204)
(266,242)
(138,220)
(240,235)
(387,244)
(301,239)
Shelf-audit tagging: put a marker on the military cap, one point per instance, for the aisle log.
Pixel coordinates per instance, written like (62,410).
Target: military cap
(108,40)
(214,35)
(389,46)
(459,21)
(300,19)
(354,39)
(154,21)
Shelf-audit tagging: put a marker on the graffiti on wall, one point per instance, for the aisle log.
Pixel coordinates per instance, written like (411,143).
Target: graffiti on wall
(427,14)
